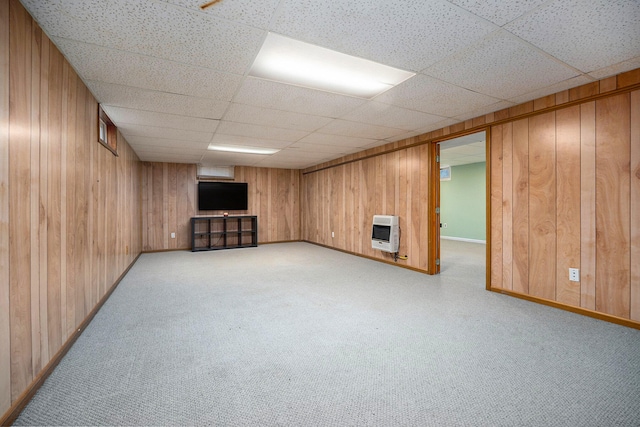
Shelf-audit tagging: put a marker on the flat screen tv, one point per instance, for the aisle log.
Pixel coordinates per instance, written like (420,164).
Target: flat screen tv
(222,196)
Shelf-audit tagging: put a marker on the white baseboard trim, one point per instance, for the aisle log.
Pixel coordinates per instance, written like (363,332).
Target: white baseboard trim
(464,239)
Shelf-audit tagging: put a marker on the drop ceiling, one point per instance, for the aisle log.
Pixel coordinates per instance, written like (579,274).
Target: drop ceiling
(175,78)
(463,150)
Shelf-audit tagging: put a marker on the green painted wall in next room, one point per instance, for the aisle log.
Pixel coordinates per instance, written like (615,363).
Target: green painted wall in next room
(463,202)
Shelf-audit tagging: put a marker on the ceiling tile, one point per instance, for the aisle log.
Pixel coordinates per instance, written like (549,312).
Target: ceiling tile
(503,66)
(268,117)
(152,28)
(248,12)
(293,154)
(142,99)
(554,88)
(618,68)
(148,143)
(284,164)
(420,131)
(258,131)
(218,158)
(129,69)
(463,150)
(129,129)
(168,158)
(340,140)
(477,139)
(377,113)
(320,148)
(283,97)
(375,144)
(588,35)
(167,73)
(500,105)
(359,130)
(460,161)
(122,115)
(430,95)
(409,34)
(168,150)
(499,12)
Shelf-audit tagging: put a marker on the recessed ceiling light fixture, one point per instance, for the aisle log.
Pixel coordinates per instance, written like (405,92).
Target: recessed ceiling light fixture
(242,149)
(294,62)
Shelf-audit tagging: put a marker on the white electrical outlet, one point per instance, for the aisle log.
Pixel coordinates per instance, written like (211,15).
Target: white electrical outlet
(574,274)
(333,234)
(173,235)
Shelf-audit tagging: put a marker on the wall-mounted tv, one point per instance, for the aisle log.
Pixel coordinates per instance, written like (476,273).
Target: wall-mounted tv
(222,196)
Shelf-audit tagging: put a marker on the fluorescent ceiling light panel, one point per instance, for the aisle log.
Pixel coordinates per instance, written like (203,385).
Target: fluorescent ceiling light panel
(242,149)
(294,62)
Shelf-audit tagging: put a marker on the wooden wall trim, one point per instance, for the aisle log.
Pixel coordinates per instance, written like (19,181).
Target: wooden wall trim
(519,112)
(578,310)
(487,157)
(635,206)
(12,414)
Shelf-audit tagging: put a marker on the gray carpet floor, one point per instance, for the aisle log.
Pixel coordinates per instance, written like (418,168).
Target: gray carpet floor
(296,334)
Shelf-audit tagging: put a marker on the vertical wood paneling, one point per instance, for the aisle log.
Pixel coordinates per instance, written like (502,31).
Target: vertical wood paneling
(54,204)
(496,206)
(351,205)
(423,262)
(70,249)
(80,216)
(169,197)
(344,199)
(613,205)
(51,176)
(568,203)
(19,198)
(520,245)
(635,206)
(185,182)
(355,227)
(545,174)
(157,203)
(90,297)
(36,44)
(588,205)
(63,199)
(5,331)
(542,206)
(43,207)
(166,195)
(507,206)
(414,219)
(367,203)
(402,188)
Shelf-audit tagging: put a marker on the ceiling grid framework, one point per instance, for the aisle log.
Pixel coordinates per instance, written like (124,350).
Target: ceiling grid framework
(174,78)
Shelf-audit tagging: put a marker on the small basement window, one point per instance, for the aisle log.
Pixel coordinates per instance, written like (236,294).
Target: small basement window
(107,132)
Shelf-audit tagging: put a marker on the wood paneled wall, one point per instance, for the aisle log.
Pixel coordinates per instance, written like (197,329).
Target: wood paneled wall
(566,194)
(169,200)
(343,200)
(69,209)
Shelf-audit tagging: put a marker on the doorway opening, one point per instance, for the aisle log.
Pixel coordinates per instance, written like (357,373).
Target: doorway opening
(463,204)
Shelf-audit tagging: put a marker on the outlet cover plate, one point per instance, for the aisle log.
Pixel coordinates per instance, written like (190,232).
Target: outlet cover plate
(574,274)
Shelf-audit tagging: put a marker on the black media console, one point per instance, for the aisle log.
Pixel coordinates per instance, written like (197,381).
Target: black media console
(209,233)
